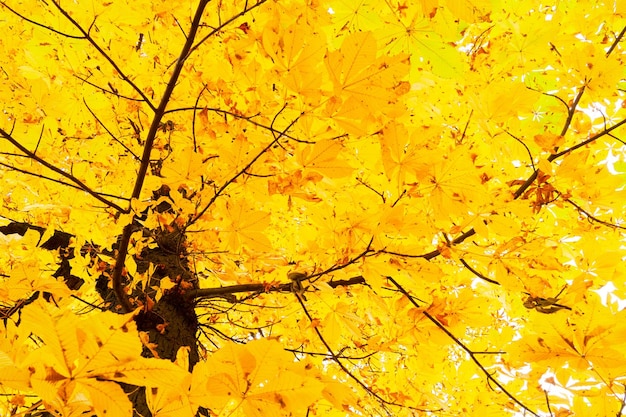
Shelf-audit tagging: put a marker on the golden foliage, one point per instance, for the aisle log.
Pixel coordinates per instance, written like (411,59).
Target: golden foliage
(445,178)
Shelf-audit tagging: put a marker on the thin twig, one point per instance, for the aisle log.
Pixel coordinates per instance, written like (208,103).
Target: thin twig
(530,155)
(367,251)
(261,288)
(618,38)
(571,110)
(517,194)
(106,56)
(433,254)
(591,217)
(588,141)
(337,359)
(478,274)
(108,131)
(325,354)
(249,119)
(67,184)
(59,171)
(238,174)
(221,26)
(466,126)
(51,29)
(193,120)
(548,403)
(104,90)
(471,353)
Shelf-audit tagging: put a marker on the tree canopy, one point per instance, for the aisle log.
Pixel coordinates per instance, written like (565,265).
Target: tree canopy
(310,207)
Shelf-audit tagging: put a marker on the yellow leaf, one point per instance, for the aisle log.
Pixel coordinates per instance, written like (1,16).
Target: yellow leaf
(14,377)
(247,226)
(324,157)
(549,142)
(357,53)
(107,398)
(258,379)
(400,156)
(149,372)
(58,332)
(184,167)
(172,401)
(470,11)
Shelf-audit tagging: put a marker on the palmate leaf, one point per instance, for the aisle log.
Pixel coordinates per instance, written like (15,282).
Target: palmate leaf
(246,226)
(148,372)
(172,401)
(58,333)
(82,357)
(297,53)
(13,376)
(257,379)
(346,65)
(365,84)
(185,167)
(107,398)
(400,154)
(452,184)
(444,59)
(469,11)
(324,157)
(585,341)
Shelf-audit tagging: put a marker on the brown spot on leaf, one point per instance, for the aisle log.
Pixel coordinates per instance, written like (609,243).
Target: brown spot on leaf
(279,399)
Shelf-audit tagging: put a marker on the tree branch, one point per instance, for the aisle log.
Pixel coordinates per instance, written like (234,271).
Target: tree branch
(593,218)
(478,274)
(104,90)
(571,110)
(261,288)
(618,38)
(337,359)
(588,141)
(15,12)
(109,132)
(471,353)
(219,192)
(67,184)
(364,253)
(518,192)
(87,36)
(118,286)
(245,10)
(248,119)
(51,167)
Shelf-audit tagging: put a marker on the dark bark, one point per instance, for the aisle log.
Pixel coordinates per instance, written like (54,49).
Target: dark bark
(171,322)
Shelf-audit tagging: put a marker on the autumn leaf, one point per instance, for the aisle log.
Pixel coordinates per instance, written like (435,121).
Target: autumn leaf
(548,141)
(452,185)
(584,341)
(361,81)
(324,157)
(399,155)
(184,167)
(83,357)
(447,177)
(246,226)
(260,375)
